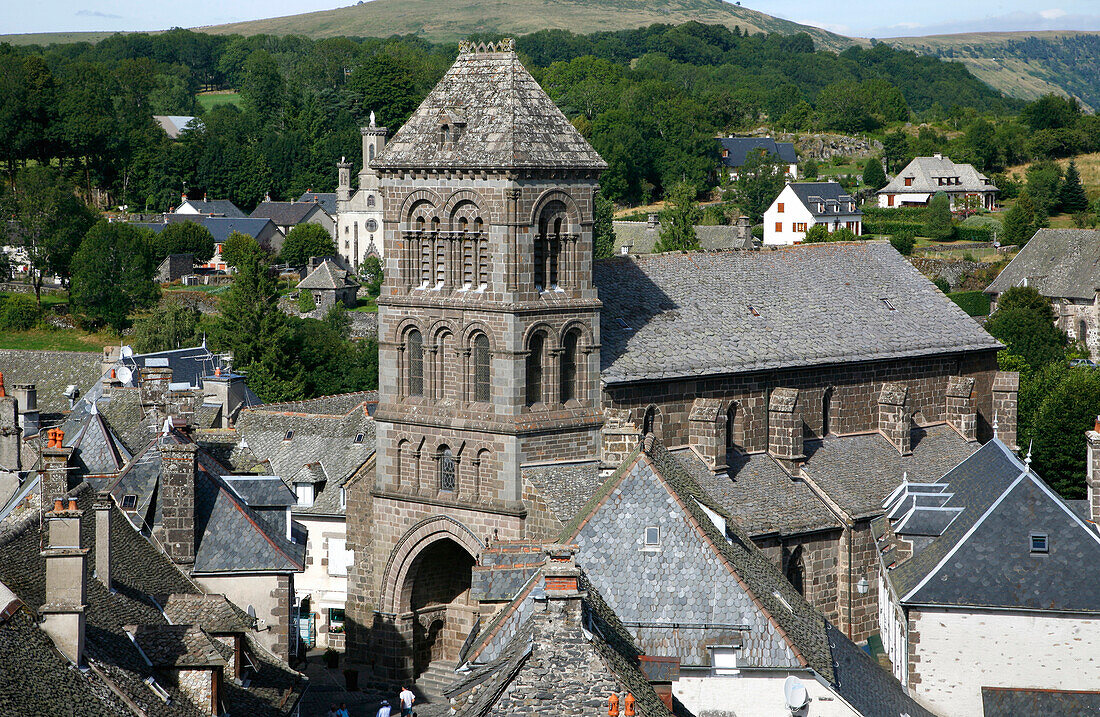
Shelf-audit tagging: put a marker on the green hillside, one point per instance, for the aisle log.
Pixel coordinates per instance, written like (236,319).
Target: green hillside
(454,19)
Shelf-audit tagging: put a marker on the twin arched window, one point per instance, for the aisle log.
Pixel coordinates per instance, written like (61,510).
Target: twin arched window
(552,223)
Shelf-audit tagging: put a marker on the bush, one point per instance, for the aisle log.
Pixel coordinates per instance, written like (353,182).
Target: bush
(982,234)
(20,312)
(306,303)
(903,242)
(891,228)
(758,231)
(942,284)
(974,303)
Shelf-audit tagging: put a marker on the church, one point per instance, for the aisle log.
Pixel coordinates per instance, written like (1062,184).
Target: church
(798,386)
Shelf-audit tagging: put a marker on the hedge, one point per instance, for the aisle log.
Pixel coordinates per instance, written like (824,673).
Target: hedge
(974,303)
(878,226)
(973,234)
(895,214)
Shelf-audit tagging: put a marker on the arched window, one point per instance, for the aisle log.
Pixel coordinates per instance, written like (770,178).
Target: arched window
(414,344)
(370,153)
(481,368)
(795,571)
(552,224)
(1082,331)
(733,428)
(482,261)
(370,200)
(446,469)
(569,366)
(826,411)
(535,352)
(420,223)
(443,353)
(649,422)
(462,224)
(477,225)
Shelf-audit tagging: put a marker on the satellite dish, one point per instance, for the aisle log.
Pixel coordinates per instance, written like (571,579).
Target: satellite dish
(795,693)
(124,374)
(127,352)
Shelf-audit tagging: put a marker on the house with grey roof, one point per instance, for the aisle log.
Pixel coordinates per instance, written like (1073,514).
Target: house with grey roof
(642,237)
(287,215)
(979,570)
(801,205)
(330,285)
(173,125)
(924,177)
(209,207)
(734,151)
(1064,266)
(327,200)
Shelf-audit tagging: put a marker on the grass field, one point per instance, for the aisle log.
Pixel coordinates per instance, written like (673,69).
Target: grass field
(1087,164)
(210,100)
(56,340)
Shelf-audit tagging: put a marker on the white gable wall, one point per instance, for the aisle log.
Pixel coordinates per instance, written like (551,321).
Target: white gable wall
(763,690)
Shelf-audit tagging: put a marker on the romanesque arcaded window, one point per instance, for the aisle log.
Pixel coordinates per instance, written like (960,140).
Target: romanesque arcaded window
(481,368)
(535,350)
(443,352)
(446,469)
(482,260)
(414,344)
(569,366)
(795,569)
(548,244)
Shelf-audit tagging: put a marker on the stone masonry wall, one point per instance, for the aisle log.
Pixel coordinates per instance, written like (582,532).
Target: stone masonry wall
(856,558)
(820,564)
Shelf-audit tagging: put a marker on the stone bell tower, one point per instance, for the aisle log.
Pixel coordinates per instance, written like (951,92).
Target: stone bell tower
(359,214)
(488,345)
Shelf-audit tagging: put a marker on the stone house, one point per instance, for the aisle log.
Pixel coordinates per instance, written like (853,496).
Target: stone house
(801,205)
(642,237)
(287,215)
(330,285)
(733,151)
(359,215)
(263,230)
(924,177)
(174,267)
(980,571)
(1062,265)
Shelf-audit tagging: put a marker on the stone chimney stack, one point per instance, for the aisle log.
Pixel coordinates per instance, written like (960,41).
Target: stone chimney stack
(1006,386)
(893,417)
(226,389)
(707,432)
(785,429)
(102,507)
(177,500)
(10,438)
(26,399)
(153,386)
(960,412)
(561,580)
(653,222)
(1092,472)
(55,463)
(111,356)
(66,581)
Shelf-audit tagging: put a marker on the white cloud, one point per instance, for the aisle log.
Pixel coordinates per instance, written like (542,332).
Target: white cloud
(1052,14)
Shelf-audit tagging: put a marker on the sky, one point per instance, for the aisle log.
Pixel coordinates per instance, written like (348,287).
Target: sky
(865,18)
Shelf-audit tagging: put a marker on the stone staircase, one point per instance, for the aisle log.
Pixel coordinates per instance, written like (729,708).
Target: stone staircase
(439,675)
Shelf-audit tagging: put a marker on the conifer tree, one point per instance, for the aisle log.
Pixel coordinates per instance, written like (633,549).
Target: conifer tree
(1020,221)
(678,220)
(938,224)
(1071,196)
(873,176)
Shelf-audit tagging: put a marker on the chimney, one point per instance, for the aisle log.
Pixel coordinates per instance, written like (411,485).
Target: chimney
(102,507)
(226,389)
(177,500)
(9,431)
(785,429)
(894,422)
(111,356)
(26,399)
(1092,473)
(653,221)
(561,580)
(63,611)
(55,461)
(960,412)
(1006,386)
(706,432)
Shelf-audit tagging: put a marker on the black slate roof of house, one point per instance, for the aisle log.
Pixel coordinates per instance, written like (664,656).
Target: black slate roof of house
(760,495)
(51,372)
(327,200)
(1013,702)
(677,315)
(221,207)
(825,198)
(984,557)
(1058,263)
(502,118)
(865,685)
(565,487)
(642,239)
(857,472)
(96,449)
(739,148)
(257,491)
(230,535)
(179,646)
(327,276)
(338,404)
(221,227)
(285,213)
(143,579)
(215,613)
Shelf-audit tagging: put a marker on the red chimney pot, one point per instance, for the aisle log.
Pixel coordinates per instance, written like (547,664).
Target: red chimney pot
(72,504)
(3,393)
(613,705)
(58,505)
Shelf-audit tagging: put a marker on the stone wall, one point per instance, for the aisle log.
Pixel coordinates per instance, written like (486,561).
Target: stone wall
(1081,321)
(857,557)
(820,562)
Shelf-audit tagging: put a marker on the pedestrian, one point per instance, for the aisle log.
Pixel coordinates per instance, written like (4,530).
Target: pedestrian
(384,710)
(332,711)
(407,699)
(343,711)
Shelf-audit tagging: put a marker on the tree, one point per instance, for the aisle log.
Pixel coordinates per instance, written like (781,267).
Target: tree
(603,231)
(759,181)
(1043,181)
(305,241)
(1024,321)
(904,242)
(262,86)
(240,248)
(185,238)
(372,272)
(1020,222)
(113,275)
(47,220)
(1071,196)
(19,312)
(306,303)
(250,318)
(1051,112)
(844,234)
(938,225)
(817,233)
(1067,411)
(171,325)
(678,220)
(873,176)
(894,148)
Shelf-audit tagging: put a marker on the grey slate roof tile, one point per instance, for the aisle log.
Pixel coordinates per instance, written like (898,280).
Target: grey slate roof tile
(865,685)
(688,314)
(825,198)
(327,276)
(179,646)
(738,149)
(50,372)
(643,240)
(327,200)
(925,171)
(222,207)
(285,213)
(565,487)
(213,613)
(1058,263)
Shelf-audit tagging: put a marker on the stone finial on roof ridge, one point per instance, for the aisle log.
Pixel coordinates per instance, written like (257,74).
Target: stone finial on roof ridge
(467,47)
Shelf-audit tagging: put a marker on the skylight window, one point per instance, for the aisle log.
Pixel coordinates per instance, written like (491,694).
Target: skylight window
(753,311)
(623,324)
(358,438)
(289,435)
(888,305)
(652,537)
(783,600)
(1040,543)
(129,502)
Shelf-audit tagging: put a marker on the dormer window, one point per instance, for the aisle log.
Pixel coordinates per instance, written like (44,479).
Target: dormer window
(909,181)
(129,502)
(304,492)
(444,135)
(1040,544)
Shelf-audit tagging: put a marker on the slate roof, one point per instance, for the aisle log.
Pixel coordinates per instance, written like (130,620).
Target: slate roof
(565,487)
(327,276)
(739,148)
(857,472)
(824,199)
(96,449)
(504,119)
(984,557)
(256,491)
(143,578)
(327,200)
(760,495)
(338,404)
(213,612)
(675,315)
(643,240)
(285,213)
(865,685)
(1057,263)
(50,372)
(1013,702)
(215,207)
(174,124)
(178,646)
(926,170)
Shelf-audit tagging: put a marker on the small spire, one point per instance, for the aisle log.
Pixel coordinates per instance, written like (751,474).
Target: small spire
(1027,459)
(905,476)
(372,118)
(995,426)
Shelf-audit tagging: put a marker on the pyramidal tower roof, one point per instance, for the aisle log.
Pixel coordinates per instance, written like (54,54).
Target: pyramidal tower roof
(488,112)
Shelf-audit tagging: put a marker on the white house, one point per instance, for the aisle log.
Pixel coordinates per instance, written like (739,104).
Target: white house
(801,205)
(734,151)
(987,582)
(359,214)
(925,176)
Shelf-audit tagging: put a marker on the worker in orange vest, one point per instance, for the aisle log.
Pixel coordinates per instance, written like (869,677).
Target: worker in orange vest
(613,705)
(629,705)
